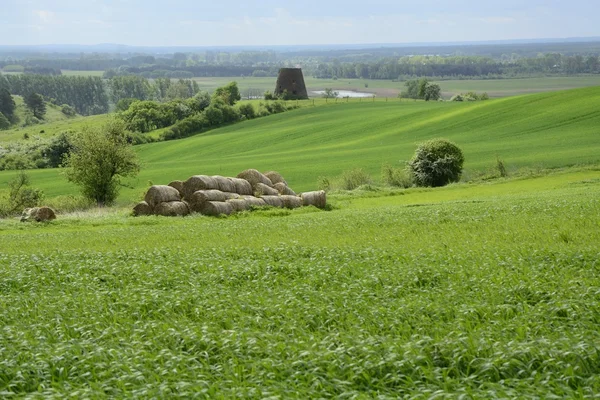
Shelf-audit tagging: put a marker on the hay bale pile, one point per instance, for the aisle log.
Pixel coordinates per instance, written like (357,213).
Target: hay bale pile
(216,195)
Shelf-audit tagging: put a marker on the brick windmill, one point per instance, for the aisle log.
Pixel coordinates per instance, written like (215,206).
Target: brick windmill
(291,80)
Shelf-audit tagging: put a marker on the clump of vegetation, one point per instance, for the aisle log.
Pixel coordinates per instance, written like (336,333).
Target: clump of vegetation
(99,160)
(470,96)
(421,89)
(397,177)
(20,196)
(354,178)
(435,163)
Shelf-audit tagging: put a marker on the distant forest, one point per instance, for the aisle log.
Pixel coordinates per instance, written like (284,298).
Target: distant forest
(477,61)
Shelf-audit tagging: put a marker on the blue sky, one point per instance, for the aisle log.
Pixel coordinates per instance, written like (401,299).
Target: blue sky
(269,22)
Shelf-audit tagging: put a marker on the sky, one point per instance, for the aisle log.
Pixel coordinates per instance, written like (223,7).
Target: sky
(283,22)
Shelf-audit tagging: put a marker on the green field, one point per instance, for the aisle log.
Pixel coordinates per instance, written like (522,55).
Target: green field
(542,131)
(480,291)
(387,88)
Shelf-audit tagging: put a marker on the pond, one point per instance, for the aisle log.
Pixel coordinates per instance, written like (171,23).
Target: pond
(343,93)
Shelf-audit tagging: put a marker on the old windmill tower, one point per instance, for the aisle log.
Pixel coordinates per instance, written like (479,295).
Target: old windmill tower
(291,80)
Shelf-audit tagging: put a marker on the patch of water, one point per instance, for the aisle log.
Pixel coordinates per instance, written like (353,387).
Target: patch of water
(344,93)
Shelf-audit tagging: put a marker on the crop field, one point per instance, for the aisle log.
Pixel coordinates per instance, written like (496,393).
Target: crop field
(541,131)
(482,291)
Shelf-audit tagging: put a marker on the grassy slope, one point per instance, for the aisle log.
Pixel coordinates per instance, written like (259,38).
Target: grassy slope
(492,296)
(551,129)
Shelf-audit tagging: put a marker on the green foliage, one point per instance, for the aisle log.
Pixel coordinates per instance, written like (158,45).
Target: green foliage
(230,93)
(396,177)
(68,110)
(247,110)
(436,162)
(36,104)
(4,122)
(501,168)
(20,196)
(352,179)
(470,96)
(7,104)
(58,148)
(124,104)
(129,87)
(330,93)
(99,160)
(269,95)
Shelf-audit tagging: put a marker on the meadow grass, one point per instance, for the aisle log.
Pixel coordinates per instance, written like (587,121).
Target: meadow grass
(490,292)
(546,130)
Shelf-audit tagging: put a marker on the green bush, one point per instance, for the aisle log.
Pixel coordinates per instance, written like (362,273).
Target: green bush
(20,196)
(68,110)
(354,178)
(397,177)
(247,110)
(4,122)
(435,163)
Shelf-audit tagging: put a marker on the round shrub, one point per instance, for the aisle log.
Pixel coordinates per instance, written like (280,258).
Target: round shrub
(436,162)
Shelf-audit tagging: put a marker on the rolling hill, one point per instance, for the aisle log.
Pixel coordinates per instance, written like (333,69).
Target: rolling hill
(549,129)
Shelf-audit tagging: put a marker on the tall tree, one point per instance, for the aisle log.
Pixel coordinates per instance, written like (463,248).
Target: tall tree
(35,103)
(7,104)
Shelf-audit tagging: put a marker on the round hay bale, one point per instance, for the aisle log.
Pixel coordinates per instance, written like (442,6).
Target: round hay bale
(260,190)
(38,214)
(239,205)
(254,201)
(283,189)
(275,177)
(253,176)
(242,186)
(224,184)
(317,199)
(161,194)
(198,182)
(291,201)
(215,208)
(273,201)
(142,208)
(199,199)
(177,185)
(172,209)
(229,195)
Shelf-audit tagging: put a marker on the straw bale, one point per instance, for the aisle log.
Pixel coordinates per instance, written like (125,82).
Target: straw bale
(224,184)
(177,185)
(214,208)
(198,182)
(283,189)
(201,197)
(38,214)
(239,205)
(172,209)
(142,208)
(253,176)
(275,177)
(229,195)
(260,190)
(317,199)
(254,201)
(161,194)
(242,186)
(291,201)
(273,201)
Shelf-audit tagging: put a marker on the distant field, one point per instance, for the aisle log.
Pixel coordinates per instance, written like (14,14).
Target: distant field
(543,130)
(386,88)
(472,291)
(82,73)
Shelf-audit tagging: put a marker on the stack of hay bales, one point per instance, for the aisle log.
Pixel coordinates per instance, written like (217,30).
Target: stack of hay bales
(216,195)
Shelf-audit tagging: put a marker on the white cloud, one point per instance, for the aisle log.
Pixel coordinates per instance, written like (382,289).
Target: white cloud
(45,16)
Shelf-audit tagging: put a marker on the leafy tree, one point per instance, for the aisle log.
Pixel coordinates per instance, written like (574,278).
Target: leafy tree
(20,195)
(432,92)
(7,104)
(4,122)
(99,160)
(436,162)
(330,93)
(230,93)
(58,149)
(35,102)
